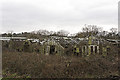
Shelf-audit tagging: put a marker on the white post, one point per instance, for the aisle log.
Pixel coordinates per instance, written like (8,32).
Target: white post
(93,49)
(98,49)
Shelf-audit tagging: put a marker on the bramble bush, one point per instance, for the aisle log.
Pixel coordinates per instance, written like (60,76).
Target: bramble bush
(33,65)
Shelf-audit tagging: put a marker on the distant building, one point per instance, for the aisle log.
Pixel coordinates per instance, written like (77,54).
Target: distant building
(12,38)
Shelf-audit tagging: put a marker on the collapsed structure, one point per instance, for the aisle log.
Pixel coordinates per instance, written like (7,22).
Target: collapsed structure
(90,45)
(51,47)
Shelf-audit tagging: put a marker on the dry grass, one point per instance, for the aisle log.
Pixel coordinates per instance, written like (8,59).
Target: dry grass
(32,65)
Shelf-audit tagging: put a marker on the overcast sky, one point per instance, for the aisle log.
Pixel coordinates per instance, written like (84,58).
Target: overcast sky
(70,15)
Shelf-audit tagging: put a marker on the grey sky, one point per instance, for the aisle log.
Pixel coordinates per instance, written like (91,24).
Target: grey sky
(70,15)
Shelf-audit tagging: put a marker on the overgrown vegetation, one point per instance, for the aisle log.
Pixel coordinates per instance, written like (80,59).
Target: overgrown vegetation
(32,65)
(23,59)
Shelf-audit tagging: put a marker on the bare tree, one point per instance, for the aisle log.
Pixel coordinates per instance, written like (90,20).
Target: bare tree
(10,33)
(113,33)
(43,32)
(62,33)
(91,29)
(33,32)
(52,32)
(113,30)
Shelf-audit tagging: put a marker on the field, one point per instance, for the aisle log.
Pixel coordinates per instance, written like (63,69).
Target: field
(33,65)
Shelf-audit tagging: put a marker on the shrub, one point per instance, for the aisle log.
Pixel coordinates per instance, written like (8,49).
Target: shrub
(34,65)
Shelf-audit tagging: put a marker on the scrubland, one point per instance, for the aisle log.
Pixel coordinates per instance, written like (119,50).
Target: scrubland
(34,65)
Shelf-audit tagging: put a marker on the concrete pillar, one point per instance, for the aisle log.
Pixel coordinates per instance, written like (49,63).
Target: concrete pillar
(85,50)
(47,49)
(98,49)
(89,50)
(82,50)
